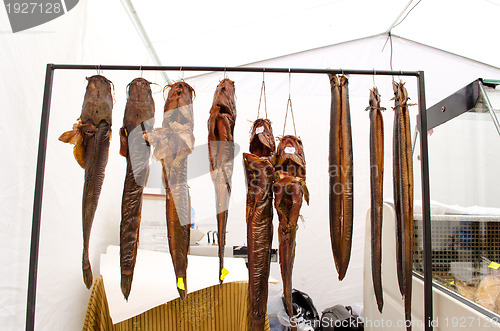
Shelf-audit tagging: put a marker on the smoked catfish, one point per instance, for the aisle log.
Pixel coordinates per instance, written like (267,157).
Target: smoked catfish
(91,135)
(289,189)
(221,157)
(259,174)
(173,143)
(138,120)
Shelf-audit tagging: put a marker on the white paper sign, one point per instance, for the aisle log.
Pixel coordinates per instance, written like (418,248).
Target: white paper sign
(289,150)
(260,129)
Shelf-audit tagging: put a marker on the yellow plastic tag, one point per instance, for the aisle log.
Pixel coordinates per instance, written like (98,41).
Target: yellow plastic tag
(223,273)
(494,265)
(180,284)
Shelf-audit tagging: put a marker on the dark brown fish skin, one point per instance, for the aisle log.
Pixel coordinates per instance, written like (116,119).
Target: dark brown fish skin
(139,115)
(405,194)
(91,137)
(396,171)
(335,185)
(262,143)
(347,180)
(341,175)
(221,156)
(259,173)
(289,188)
(376,187)
(259,214)
(173,143)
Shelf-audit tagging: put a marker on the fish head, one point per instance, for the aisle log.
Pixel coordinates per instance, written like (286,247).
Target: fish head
(290,156)
(98,101)
(343,81)
(179,104)
(224,98)
(334,81)
(139,90)
(180,94)
(400,93)
(99,87)
(140,106)
(262,138)
(374,99)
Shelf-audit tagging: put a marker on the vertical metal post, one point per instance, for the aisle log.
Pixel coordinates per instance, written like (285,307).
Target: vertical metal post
(426,210)
(37,202)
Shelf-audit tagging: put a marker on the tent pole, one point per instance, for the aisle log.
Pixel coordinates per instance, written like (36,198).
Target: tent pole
(144,35)
(426,210)
(399,16)
(37,202)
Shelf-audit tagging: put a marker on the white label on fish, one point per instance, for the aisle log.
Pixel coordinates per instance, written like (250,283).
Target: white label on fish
(260,129)
(289,150)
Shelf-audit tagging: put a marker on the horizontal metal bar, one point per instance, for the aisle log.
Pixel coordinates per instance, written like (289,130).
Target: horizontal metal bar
(237,69)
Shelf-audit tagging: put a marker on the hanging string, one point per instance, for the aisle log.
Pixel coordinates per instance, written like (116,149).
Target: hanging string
(373,76)
(142,71)
(262,92)
(289,102)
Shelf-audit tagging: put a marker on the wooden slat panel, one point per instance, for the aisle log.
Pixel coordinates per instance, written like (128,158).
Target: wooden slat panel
(216,308)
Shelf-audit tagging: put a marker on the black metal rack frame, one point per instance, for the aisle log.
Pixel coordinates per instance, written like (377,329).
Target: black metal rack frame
(42,147)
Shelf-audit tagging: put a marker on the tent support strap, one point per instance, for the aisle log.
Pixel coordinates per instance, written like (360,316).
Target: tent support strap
(42,148)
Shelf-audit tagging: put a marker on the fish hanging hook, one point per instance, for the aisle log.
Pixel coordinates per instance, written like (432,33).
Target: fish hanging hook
(262,92)
(373,76)
(289,102)
(99,71)
(225,73)
(140,68)
(182,73)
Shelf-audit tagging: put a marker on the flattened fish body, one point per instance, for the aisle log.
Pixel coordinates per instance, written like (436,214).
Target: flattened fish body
(403,194)
(341,175)
(376,187)
(138,120)
(173,143)
(221,156)
(91,135)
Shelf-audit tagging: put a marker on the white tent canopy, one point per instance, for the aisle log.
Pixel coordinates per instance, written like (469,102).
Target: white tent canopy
(211,33)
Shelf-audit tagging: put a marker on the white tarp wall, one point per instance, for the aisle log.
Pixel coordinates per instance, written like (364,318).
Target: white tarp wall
(78,38)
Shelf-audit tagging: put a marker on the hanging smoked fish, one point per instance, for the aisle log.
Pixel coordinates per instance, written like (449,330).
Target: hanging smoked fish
(341,175)
(221,156)
(173,143)
(91,135)
(403,195)
(259,174)
(376,188)
(289,188)
(137,120)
